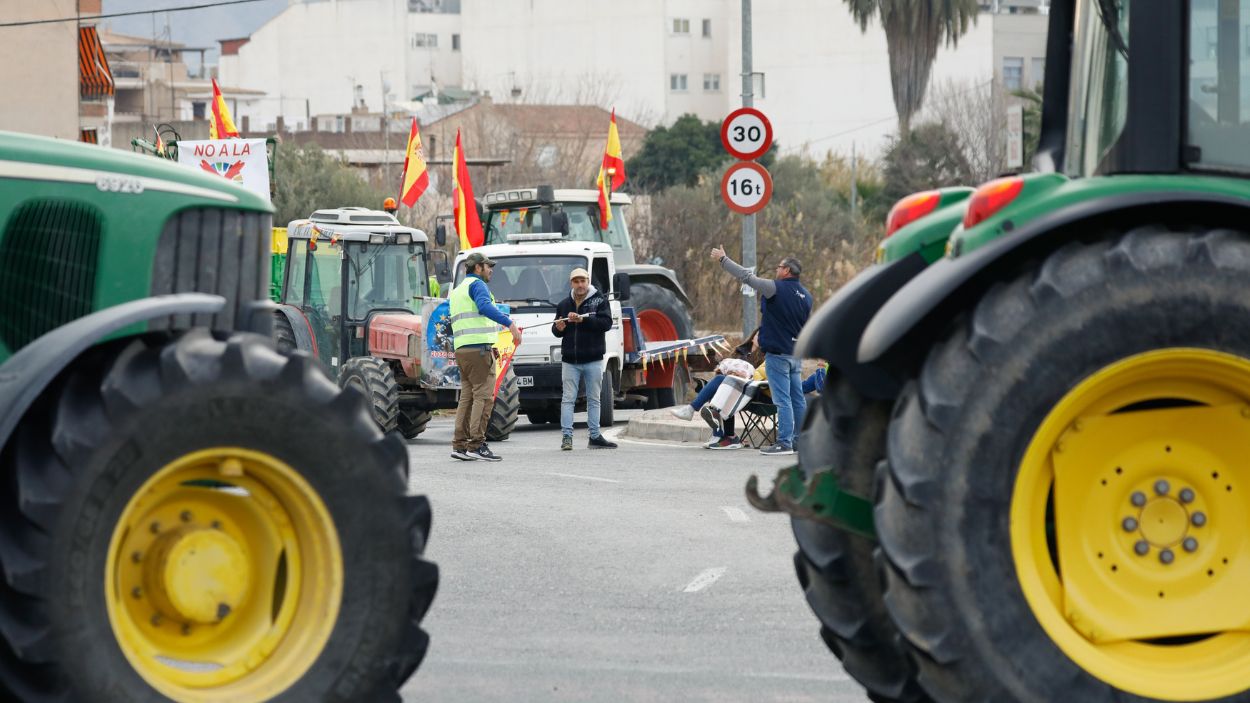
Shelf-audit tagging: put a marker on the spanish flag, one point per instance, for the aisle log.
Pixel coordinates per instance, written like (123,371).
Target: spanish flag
(221,125)
(415,178)
(160,143)
(468,225)
(613,167)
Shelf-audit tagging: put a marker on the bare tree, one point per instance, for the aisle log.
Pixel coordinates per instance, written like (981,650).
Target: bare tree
(975,110)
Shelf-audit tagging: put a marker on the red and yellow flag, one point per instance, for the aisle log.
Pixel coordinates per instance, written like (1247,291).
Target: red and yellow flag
(613,167)
(468,225)
(160,143)
(415,178)
(221,124)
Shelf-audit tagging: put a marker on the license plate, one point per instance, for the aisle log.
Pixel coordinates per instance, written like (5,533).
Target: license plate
(525,381)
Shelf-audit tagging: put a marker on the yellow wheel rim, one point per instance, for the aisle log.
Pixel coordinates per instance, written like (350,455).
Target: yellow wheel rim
(1128,524)
(224,577)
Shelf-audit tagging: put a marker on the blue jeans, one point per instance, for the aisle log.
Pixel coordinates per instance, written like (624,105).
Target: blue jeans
(590,376)
(709,390)
(786,386)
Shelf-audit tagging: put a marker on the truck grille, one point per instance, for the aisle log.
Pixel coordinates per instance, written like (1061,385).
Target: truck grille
(48,258)
(211,250)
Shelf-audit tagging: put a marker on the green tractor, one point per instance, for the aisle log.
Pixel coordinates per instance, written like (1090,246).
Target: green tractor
(187,514)
(1026,479)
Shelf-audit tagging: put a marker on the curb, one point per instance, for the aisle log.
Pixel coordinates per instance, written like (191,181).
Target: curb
(661,425)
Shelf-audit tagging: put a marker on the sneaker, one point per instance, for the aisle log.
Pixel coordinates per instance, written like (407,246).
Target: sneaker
(715,440)
(463,455)
(684,412)
(566,444)
(777,449)
(485,454)
(726,443)
(601,442)
(712,421)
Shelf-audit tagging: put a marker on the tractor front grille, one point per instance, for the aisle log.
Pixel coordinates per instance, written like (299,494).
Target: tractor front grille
(48,257)
(213,250)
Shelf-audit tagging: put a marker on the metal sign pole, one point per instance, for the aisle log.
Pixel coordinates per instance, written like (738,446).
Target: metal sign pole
(749,303)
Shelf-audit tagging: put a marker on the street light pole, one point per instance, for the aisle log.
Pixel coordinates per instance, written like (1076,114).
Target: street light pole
(749,304)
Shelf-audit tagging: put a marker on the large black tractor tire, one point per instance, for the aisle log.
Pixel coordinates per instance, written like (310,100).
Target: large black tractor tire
(283,333)
(109,444)
(653,296)
(375,380)
(543,416)
(1038,365)
(607,400)
(412,420)
(504,412)
(845,433)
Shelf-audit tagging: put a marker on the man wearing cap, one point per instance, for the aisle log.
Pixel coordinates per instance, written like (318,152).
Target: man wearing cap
(582,346)
(475,323)
(785,306)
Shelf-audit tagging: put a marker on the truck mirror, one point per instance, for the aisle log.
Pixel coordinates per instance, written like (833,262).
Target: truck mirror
(620,284)
(440,234)
(560,222)
(477,205)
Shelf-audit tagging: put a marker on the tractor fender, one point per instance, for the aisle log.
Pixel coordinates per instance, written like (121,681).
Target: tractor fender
(28,372)
(304,340)
(910,318)
(650,273)
(833,332)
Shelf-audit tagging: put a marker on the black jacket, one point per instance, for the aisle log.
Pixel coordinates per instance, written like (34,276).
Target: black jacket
(584,341)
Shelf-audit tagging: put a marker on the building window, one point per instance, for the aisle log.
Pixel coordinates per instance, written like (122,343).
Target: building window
(1013,72)
(425,40)
(711,82)
(198,110)
(1038,69)
(677,82)
(681,26)
(455,42)
(707,28)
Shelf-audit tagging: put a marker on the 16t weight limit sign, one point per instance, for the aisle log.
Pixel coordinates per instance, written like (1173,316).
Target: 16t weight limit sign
(746,187)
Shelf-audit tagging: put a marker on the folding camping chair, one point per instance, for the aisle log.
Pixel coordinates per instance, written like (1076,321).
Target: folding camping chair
(759,420)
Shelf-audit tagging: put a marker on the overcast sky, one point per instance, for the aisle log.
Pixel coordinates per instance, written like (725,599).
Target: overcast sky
(195,28)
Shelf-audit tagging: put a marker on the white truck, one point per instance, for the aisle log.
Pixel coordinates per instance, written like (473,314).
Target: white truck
(532,276)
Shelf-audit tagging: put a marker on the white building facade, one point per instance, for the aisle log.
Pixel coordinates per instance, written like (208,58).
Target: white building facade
(826,83)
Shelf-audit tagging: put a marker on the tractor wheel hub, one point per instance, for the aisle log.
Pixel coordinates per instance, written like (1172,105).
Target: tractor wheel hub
(198,576)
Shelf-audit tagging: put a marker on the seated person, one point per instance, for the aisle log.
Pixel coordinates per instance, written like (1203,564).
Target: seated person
(723,430)
(815,383)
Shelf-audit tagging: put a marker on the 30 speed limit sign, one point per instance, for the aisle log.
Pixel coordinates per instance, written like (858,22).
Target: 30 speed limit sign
(746,187)
(746,133)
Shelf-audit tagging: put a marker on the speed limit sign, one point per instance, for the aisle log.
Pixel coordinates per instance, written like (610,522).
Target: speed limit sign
(746,133)
(746,187)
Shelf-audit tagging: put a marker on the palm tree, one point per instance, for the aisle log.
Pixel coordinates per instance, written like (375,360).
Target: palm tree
(913,31)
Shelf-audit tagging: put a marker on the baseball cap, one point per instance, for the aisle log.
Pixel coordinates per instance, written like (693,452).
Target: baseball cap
(579,273)
(477,258)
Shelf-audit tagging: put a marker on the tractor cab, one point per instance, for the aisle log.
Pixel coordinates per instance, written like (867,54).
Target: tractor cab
(345,267)
(573,212)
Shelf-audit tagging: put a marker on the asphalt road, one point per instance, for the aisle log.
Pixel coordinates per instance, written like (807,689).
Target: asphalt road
(635,574)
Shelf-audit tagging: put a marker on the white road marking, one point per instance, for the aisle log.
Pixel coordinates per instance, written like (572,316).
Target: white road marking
(705,578)
(588,478)
(735,514)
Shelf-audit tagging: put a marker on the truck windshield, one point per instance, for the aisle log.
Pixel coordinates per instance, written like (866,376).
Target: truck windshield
(1219,94)
(384,276)
(583,224)
(1099,93)
(531,281)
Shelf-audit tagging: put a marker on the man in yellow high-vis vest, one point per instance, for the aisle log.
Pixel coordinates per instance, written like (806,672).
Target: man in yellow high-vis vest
(475,323)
